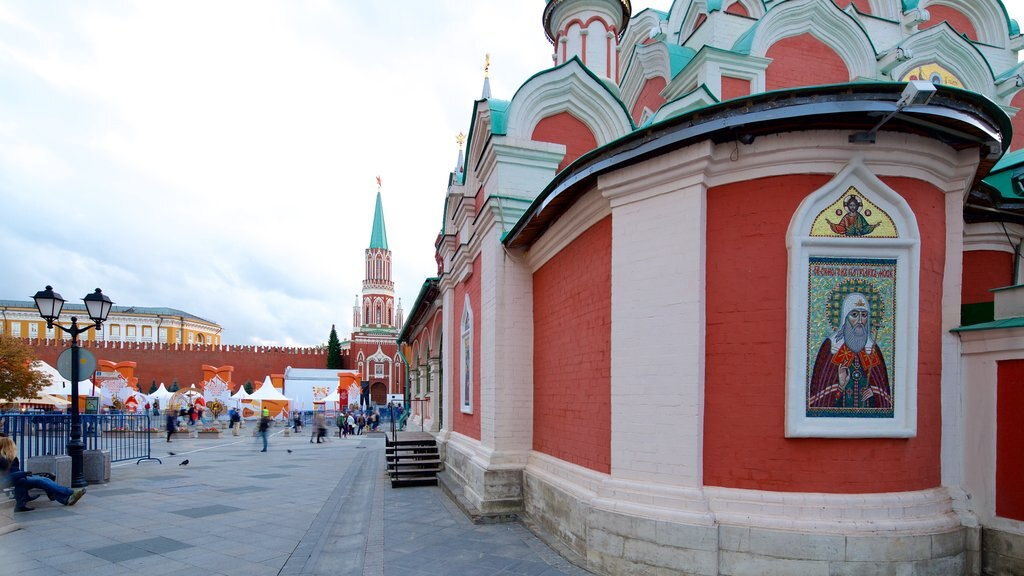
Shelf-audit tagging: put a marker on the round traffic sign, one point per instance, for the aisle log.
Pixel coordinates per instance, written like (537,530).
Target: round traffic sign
(86,364)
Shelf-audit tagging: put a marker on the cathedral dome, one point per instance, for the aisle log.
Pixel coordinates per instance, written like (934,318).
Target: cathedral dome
(551,23)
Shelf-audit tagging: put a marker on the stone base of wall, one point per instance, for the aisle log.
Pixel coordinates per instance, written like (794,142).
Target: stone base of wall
(489,489)
(617,534)
(1002,553)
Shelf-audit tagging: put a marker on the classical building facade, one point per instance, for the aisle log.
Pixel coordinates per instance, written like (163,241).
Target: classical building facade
(124,324)
(719,292)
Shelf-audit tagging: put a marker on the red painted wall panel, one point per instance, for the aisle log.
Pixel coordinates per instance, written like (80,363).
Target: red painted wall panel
(983,271)
(650,97)
(961,23)
(738,9)
(734,88)
(863,6)
(801,61)
(744,441)
(564,128)
(1017,140)
(572,385)
(1009,440)
(467,424)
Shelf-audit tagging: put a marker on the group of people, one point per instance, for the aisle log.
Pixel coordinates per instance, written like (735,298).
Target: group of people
(11,475)
(356,423)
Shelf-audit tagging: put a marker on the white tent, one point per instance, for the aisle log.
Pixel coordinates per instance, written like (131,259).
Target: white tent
(268,397)
(162,394)
(58,386)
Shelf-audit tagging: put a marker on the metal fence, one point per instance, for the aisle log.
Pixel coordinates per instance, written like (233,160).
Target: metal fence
(126,436)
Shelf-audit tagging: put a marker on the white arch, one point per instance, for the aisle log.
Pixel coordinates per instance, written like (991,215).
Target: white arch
(942,45)
(826,22)
(568,88)
(986,16)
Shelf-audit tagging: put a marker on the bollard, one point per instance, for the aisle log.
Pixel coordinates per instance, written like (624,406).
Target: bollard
(58,465)
(96,464)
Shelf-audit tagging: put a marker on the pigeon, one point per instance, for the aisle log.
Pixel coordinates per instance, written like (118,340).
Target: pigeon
(172,453)
(184,462)
(289,450)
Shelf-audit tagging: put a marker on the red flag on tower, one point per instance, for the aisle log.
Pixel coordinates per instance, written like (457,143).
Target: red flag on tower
(378,182)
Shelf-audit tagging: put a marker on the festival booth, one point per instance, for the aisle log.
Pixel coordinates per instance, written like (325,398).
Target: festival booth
(161,398)
(243,404)
(270,398)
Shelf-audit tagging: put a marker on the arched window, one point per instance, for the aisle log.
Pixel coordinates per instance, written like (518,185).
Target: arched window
(466,358)
(854,267)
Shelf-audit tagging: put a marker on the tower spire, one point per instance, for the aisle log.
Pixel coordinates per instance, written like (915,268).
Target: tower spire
(487,78)
(379,236)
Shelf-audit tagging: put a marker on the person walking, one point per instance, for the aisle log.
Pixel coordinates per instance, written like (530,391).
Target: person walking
(172,424)
(264,427)
(320,423)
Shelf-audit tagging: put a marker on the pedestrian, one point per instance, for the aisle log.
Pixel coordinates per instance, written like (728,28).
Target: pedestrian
(342,433)
(374,421)
(264,427)
(12,475)
(360,424)
(320,424)
(172,424)
(350,424)
(297,422)
(191,415)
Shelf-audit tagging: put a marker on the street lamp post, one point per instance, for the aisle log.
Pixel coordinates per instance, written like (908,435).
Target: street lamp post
(49,304)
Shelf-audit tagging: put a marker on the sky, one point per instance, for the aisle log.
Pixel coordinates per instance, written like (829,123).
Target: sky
(220,156)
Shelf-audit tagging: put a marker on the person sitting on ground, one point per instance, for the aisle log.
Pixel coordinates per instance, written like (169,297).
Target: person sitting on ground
(22,481)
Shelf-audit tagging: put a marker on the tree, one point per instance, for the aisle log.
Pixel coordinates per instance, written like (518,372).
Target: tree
(333,350)
(174,386)
(153,387)
(248,387)
(17,378)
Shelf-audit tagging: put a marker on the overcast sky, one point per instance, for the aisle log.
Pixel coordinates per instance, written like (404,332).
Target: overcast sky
(220,157)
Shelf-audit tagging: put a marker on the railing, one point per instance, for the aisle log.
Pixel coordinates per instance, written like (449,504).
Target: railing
(126,436)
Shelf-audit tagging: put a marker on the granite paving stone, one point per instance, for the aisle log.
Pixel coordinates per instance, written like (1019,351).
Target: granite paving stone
(320,509)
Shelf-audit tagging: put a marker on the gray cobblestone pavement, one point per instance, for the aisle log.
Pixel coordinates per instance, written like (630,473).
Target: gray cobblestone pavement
(300,508)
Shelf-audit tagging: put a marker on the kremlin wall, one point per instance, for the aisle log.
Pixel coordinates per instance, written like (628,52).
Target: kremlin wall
(167,363)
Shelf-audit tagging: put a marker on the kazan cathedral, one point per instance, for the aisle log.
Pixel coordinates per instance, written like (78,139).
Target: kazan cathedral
(734,288)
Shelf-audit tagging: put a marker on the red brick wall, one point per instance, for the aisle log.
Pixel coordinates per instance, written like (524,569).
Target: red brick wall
(468,424)
(961,23)
(983,271)
(1017,140)
(744,440)
(167,364)
(1009,439)
(572,385)
(564,128)
(650,97)
(734,88)
(863,6)
(803,60)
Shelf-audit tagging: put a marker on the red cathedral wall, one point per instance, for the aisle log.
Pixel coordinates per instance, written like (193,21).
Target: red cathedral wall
(164,365)
(1009,439)
(1017,140)
(744,437)
(737,8)
(734,88)
(983,271)
(863,6)
(798,59)
(650,97)
(467,424)
(959,22)
(564,128)
(572,391)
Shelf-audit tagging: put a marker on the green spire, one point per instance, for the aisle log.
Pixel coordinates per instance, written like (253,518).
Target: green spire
(379,236)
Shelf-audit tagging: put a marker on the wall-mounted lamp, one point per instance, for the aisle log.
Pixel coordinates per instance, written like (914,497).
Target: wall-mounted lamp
(916,93)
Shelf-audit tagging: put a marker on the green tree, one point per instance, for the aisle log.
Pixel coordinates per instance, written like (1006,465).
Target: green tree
(333,350)
(153,387)
(248,387)
(17,378)
(174,386)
